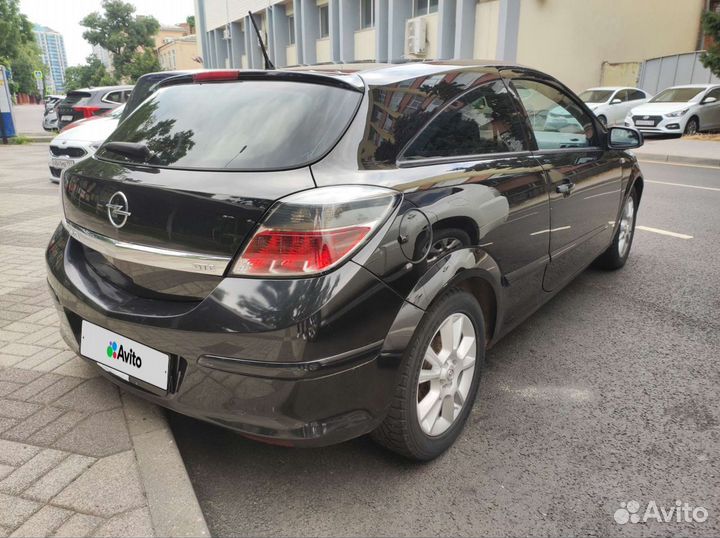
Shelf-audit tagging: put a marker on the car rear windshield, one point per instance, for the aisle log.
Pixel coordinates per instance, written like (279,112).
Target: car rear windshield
(595,96)
(243,125)
(74,98)
(676,95)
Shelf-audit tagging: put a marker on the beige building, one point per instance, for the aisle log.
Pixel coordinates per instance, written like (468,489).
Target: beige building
(179,54)
(582,42)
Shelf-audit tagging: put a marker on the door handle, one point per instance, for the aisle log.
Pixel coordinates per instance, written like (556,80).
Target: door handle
(565,188)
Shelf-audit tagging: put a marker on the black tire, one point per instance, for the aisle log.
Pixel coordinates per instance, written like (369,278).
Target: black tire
(615,256)
(692,126)
(603,120)
(401,432)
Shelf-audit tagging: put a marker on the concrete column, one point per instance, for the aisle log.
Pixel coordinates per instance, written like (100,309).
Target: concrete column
(280,35)
(269,34)
(464,28)
(508,28)
(382,37)
(399,11)
(299,37)
(252,48)
(209,60)
(446,29)
(349,14)
(310,30)
(334,16)
(201,30)
(238,44)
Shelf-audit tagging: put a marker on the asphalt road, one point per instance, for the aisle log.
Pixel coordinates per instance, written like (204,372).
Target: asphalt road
(608,394)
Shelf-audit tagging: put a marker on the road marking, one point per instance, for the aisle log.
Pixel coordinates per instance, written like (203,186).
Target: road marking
(664,232)
(682,185)
(678,164)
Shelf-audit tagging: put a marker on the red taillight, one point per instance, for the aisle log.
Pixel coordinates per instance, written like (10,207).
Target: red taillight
(287,251)
(313,231)
(215,76)
(87,111)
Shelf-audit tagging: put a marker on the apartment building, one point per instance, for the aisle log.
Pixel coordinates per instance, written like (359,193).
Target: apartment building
(567,38)
(52,46)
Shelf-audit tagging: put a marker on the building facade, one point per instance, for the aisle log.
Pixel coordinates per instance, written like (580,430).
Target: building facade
(570,39)
(179,53)
(52,45)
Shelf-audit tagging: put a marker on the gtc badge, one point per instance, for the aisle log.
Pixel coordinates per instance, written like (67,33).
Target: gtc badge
(117,210)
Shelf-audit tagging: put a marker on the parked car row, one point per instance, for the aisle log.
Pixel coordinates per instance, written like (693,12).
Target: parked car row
(677,110)
(88,116)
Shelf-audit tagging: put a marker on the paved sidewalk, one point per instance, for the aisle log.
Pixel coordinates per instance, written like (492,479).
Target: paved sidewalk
(680,151)
(77,457)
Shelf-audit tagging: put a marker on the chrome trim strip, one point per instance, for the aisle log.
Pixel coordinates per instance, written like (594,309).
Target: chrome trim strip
(177,260)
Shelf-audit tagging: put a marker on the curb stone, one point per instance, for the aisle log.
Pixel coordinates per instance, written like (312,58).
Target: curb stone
(678,159)
(173,505)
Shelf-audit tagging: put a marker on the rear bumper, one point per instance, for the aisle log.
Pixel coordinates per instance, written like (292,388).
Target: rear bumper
(300,361)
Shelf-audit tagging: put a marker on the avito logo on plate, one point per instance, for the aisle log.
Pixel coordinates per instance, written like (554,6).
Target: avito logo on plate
(126,356)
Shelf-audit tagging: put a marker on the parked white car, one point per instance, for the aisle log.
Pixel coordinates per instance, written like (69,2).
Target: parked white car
(679,110)
(611,104)
(80,141)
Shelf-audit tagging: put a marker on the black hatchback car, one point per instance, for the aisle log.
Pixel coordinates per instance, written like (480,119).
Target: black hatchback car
(307,256)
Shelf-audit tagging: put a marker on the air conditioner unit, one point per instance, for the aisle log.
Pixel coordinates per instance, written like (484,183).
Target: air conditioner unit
(416,35)
(226,33)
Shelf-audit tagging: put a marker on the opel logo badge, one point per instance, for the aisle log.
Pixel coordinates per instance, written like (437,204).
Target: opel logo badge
(117,209)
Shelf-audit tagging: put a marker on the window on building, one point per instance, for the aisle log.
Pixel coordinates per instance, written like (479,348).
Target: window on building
(424,7)
(367,13)
(324,21)
(291,30)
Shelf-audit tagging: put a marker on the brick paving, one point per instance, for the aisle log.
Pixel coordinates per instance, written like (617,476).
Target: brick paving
(67,463)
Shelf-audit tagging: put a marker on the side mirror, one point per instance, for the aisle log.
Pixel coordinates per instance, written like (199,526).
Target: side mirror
(624,138)
(615,101)
(709,100)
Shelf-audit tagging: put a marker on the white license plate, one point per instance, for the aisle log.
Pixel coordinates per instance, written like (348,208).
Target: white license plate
(66,118)
(124,357)
(645,123)
(61,163)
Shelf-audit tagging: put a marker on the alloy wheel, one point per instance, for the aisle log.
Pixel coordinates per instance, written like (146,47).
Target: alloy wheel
(692,127)
(626,227)
(446,374)
(442,246)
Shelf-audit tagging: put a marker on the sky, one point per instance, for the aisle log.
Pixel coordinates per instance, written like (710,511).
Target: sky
(64,16)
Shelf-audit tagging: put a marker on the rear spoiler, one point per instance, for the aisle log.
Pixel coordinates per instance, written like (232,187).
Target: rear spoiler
(345,81)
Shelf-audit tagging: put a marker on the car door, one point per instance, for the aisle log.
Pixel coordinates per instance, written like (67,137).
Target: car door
(478,174)
(711,111)
(585,179)
(618,111)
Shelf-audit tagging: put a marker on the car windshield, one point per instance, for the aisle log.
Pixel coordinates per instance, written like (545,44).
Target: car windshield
(676,95)
(247,125)
(595,96)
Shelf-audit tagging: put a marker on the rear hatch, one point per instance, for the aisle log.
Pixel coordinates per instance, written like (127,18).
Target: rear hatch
(74,107)
(206,161)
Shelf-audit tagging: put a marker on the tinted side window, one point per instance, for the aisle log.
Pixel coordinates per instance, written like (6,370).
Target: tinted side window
(114,97)
(557,121)
(483,120)
(622,95)
(636,95)
(714,93)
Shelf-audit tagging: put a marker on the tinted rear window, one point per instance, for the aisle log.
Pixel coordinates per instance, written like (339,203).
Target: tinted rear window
(248,125)
(75,97)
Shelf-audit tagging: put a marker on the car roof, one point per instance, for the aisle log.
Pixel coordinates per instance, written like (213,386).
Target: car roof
(104,88)
(613,88)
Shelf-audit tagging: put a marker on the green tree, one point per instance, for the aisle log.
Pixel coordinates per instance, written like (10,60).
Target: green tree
(93,73)
(123,34)
(15,30)
(146,62)
(191,23)
(711,26)
(26,61)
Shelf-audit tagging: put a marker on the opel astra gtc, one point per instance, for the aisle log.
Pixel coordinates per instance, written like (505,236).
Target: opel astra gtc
(308,256)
